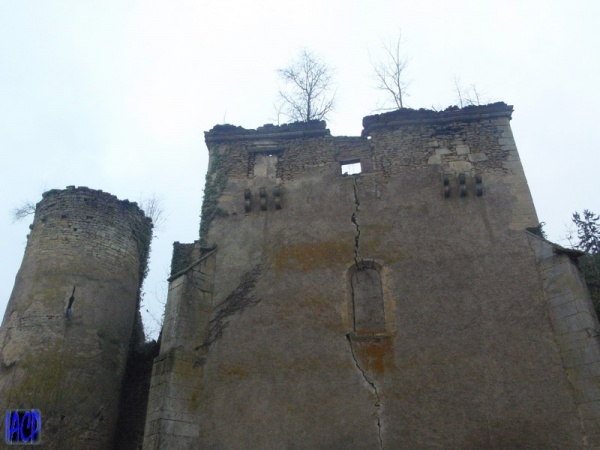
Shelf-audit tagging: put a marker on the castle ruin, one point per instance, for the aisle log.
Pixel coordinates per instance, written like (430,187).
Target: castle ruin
(378,292)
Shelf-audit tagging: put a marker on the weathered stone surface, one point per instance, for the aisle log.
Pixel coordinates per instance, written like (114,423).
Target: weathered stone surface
(71,368)
(456,340)
(576,330)
(402,307)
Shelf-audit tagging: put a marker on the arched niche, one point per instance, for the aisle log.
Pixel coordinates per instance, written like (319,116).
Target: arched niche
(367,297)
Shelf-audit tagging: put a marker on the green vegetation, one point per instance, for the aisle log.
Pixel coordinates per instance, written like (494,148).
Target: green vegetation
(588,235)
(142,232)
(216,179)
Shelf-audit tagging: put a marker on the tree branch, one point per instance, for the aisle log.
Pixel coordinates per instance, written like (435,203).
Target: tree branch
(308,93)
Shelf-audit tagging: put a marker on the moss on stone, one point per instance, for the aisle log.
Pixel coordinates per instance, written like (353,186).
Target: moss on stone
(216,180)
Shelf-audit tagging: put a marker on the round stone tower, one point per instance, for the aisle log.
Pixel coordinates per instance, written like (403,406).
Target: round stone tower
(66,332)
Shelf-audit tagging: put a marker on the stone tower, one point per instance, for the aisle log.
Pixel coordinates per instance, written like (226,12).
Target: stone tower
(404,305)
(66,333)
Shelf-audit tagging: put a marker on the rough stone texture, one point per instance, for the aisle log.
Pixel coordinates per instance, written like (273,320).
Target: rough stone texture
(576,331)
(403,307)
(261,347)
(72,368)
(172,419)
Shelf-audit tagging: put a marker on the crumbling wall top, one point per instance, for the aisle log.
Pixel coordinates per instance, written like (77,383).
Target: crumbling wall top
(86,194)
(406,116)
(223,133)
(95,220)
(387,120)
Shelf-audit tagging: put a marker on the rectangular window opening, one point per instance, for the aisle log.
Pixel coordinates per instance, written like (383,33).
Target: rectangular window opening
(351,167)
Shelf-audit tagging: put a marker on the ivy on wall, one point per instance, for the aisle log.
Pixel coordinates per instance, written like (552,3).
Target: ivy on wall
(142,233)
(216,179)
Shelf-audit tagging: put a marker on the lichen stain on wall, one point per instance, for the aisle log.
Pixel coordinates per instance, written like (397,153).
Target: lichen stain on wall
(307,256)
(374,353)
(41,379)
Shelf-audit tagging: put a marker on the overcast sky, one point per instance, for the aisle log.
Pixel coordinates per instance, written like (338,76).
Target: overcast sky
(116,95)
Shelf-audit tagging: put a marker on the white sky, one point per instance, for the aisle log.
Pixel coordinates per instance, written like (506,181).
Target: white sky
(116,95)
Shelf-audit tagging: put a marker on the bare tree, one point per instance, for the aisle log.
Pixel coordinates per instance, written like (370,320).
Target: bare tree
(459,91)
(153,208)
(390,73)
(468,96)
(23,210)
(278,109)
(309,93)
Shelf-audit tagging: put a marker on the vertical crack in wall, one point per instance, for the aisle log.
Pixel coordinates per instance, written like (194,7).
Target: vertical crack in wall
(355,222)
(373,387)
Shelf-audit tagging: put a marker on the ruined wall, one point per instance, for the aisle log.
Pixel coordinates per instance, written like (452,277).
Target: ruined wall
(576,330)
(70,366)
(398,308)
(172,420)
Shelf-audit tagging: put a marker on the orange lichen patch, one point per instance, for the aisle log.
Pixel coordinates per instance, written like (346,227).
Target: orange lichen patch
(374,353)
(306,256)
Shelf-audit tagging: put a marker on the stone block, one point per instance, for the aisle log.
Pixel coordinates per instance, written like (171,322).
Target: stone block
(564,309)
(478,157)
(513,155)
(507,142)
(462,149)
(584,304)
(558,300)
(579,321)
(434,159)
(575,344)
(512,165)
(460,166)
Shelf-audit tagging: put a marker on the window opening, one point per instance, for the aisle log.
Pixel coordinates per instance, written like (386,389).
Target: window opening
(351,167)
(265,164)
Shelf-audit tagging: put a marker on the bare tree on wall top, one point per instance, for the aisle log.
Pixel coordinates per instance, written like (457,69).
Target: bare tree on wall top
(308,93)
(468,96)
(390,74)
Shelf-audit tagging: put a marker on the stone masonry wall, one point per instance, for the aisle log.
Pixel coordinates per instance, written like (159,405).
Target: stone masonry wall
(172,419)
(70,364)
(576,328)
(397,308)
